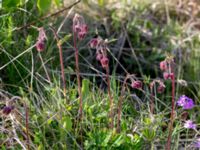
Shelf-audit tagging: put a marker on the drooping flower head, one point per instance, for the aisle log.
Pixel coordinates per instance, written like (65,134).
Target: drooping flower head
(104,62)
(79,26)
(185,102)
(101,50)
(7,110)
(189,125)
(167,66)
(40,46)
(136,84)
(163,65)
(160,87)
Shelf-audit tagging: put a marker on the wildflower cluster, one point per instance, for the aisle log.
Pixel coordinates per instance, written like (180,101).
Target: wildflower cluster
(101,50)
(166,67)
(185,102)
(161,86)
(40,40)
(79,26)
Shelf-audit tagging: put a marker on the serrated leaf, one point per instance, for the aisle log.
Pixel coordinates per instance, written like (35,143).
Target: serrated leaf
(43,5)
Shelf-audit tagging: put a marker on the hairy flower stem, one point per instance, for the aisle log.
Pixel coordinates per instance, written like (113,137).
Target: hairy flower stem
(61,62)
(111,124)
(78,78)
(168,146)
(27,127)
(119,112)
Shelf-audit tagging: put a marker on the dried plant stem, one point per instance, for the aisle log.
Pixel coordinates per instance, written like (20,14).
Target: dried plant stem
(120,105)
(27,127)
(111,124)
(61,62)
(43,65)
(78,78)
(168,146)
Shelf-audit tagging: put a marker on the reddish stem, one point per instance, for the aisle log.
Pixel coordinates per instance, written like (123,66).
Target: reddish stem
(110,98)
(61,62)
(78,77)
(120,105)
(168,146)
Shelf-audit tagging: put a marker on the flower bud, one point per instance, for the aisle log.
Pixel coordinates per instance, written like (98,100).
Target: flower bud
(136,84)
(163,65)
(104,62)
(40,46)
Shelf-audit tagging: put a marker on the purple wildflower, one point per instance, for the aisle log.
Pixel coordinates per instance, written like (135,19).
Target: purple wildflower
(197,143)
(185,102)
(189,125)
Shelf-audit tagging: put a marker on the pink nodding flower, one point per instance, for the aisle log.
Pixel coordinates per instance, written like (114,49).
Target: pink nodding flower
(40,46)
(42,35)
(167,75)
(99,56)
(163,65)
(94,42)
(136,84)
(79,26)
(40,40)
(160,88)
(104,62)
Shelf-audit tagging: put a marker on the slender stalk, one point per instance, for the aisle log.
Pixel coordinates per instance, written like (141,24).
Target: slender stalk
(152,101)
(78,77)
(110,99)
(27,127)
(43,65)
(120,105)
(168,146)
(61,62)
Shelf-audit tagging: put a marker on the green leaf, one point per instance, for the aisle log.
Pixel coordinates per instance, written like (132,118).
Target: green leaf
(67,123)
(10,3)
(43,5)
(85,88)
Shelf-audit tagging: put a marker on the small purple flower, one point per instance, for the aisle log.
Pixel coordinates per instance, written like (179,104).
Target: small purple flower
(189,125)
(197,143)
(185,102)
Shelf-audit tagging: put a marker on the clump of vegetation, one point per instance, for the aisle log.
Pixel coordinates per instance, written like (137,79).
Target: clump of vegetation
(122,75)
